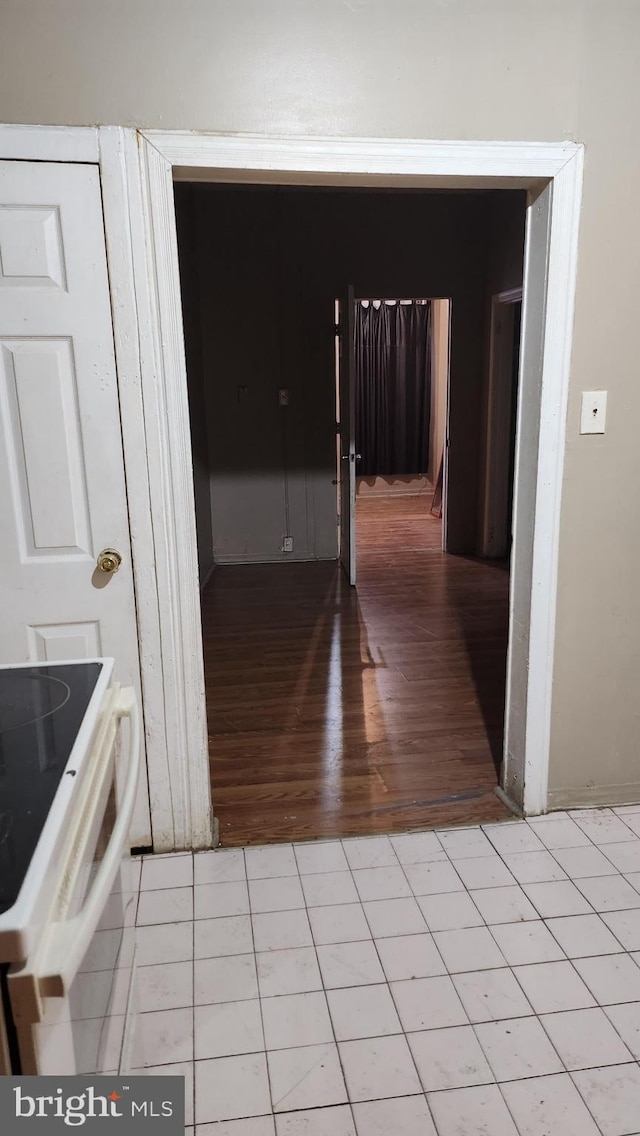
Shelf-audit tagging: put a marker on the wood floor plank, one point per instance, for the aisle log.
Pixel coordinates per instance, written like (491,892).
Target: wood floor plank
(335,712)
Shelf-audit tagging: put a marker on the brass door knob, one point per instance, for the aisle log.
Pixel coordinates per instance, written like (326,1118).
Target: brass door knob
(109,560)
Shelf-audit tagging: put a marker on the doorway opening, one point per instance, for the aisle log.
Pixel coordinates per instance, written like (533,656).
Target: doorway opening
(401,367)
(333,710)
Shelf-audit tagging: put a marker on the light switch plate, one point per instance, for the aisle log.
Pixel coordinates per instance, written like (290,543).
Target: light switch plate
(594,412)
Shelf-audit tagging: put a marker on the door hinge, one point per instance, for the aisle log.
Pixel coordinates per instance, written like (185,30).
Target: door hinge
(337,329)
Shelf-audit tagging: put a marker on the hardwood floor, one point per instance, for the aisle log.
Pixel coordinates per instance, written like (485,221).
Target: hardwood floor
(335,711)
(401,524)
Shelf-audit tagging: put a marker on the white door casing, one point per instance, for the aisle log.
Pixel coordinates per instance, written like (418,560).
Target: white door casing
(61,461)
(133,325)
(530,377)
(184,781)
(420,164)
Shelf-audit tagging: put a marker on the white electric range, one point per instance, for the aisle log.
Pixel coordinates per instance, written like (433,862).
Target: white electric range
(67,894)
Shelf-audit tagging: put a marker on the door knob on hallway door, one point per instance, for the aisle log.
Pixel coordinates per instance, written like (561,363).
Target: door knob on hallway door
(109,560)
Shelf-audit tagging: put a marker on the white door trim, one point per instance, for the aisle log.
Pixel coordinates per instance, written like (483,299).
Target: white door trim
(562,264)
(345,161)
(49,143)
(270,157)
(126,253)
(187,792)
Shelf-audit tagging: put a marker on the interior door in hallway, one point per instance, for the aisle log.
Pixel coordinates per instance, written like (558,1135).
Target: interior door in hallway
(347,401)
(61,461)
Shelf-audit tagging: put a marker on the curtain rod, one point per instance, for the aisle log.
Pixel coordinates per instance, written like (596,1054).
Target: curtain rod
(390,303)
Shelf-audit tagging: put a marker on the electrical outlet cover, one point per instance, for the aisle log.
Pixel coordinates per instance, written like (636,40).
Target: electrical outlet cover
(593,412)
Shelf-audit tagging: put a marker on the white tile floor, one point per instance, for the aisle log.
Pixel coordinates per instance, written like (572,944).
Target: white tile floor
(474,982)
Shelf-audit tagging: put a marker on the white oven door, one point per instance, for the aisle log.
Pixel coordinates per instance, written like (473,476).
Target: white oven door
(72,1001)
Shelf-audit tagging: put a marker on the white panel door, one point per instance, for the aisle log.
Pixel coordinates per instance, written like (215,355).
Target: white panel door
(62,495)
(347,400)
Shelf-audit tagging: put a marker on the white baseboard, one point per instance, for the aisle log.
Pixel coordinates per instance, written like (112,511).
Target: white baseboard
(400,486)
(258,558)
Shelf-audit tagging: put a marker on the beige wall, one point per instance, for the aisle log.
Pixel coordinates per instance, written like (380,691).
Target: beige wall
(545,70)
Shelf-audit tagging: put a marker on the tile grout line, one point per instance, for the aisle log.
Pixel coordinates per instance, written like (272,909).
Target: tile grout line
(193,988)
(258,990)
(583,1099)
(388,983)
(324,991)
(193,967)
(534,1017)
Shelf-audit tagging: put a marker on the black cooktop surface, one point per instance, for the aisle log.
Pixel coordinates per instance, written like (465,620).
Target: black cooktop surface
(41,711)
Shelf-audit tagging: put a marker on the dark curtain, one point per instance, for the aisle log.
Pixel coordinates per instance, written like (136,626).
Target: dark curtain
(393,388)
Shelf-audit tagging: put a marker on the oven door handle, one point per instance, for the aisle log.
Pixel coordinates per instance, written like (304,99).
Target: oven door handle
(71,938)
(51,972)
